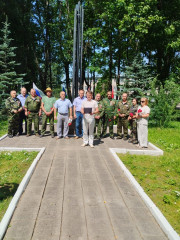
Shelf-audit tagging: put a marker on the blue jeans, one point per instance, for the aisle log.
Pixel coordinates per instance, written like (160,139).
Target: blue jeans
(79,128)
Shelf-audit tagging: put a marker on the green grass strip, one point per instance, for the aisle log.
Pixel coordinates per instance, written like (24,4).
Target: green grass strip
(160,176)
(13,167)
(3,128)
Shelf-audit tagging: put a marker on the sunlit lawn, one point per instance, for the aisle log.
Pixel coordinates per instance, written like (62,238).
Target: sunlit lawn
(3,127)
(160,176)
(13,167)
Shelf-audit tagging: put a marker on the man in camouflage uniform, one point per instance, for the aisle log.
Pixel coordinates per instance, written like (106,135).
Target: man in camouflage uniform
(47,106)
(109,108)
(13,105)
(33,111)
(123,108)
(132,121)
(98,117)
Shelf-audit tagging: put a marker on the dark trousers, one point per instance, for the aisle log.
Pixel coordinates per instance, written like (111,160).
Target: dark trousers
(31,116)
(122,122)
(13,123)
(79,127)
(108,120)
(22,117)
(44,123)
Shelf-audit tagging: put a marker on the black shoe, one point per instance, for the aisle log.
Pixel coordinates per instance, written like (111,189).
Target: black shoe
(112,137)
(104,136)
(10,136)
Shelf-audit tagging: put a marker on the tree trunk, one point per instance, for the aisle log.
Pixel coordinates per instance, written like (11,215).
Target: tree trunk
(110,62)
(66,67)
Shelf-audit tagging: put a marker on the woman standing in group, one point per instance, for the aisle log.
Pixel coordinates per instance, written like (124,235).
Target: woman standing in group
(132,121)
(89,107)
(142,116)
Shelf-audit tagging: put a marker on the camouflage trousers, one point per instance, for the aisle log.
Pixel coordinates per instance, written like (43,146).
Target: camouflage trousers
(108,120)
(13,124)
(122,123)
(44,123)
(33,116)
(98,125)
(133,128)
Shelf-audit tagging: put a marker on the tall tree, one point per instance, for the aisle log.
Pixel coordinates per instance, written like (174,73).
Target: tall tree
(137,78)
(9,79)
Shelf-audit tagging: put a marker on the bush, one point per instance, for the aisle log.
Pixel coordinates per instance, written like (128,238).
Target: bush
(163,103)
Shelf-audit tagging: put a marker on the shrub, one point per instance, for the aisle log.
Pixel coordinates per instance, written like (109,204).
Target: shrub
(163,102)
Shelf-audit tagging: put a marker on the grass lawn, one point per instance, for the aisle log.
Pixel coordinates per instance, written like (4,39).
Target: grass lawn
(13,167)
(3,127)
(160,176)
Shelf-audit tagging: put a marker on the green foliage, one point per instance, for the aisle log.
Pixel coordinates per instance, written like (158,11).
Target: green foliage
(137,78)
(9,79)
(3,127)
(163,103)
(56,92)
(160,176)
(13,166)
(114,32)
(102,87)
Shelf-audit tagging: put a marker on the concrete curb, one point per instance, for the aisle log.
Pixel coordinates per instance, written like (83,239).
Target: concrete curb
(155,152)
(162,221)
(4,136)
(7,216)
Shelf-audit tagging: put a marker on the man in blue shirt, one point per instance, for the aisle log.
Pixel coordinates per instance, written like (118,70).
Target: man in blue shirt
(22,97)
(64,108)
(77,113)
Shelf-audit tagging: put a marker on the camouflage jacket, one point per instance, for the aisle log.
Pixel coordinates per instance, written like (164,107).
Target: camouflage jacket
(123,108)
(109,106)
(133,109)
(33,105)
(100,108)
(13,104)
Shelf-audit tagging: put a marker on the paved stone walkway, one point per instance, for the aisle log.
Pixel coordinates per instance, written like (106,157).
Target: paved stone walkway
(79,194)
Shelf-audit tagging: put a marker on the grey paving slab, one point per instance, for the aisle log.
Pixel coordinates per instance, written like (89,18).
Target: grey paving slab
(79,194)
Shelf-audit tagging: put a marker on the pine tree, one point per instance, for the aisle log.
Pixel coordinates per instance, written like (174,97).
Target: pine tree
(137,77)
(9,79)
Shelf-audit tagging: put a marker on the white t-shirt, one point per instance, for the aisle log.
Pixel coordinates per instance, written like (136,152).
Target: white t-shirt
(145,110)
(89,104)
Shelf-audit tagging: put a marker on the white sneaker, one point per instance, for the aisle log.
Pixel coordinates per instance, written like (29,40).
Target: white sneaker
(83,145)
(92,146)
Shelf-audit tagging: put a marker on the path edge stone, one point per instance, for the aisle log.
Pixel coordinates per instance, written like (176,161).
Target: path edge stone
(11,208)
(161,220)
(4,136)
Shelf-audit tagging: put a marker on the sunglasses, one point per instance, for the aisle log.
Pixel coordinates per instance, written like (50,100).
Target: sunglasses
(142,101)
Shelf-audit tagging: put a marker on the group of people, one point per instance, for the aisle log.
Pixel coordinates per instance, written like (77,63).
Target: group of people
(92,116)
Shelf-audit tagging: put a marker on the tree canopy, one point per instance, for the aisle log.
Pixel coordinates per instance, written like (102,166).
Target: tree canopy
(115,32)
